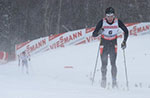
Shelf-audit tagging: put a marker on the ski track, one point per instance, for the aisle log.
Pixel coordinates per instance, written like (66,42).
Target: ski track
(49,79)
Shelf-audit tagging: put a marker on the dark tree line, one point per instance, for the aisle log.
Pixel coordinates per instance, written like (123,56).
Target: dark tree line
(22,20)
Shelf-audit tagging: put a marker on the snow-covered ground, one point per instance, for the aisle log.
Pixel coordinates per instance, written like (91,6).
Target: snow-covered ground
(48,77)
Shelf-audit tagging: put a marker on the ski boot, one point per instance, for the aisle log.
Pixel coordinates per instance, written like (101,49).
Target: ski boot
(114,84)
(103,83)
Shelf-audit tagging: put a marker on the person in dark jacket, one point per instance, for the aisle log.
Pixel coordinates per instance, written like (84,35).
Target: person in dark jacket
(109,26)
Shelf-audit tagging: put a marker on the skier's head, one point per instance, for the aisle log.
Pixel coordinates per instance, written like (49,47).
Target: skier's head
(110,14)
(23,52)
(110,10)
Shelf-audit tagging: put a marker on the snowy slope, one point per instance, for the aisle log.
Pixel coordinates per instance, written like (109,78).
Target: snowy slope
(49,78)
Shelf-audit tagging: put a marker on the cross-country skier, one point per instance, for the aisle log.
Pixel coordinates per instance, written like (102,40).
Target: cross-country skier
(25,58)
(109,26)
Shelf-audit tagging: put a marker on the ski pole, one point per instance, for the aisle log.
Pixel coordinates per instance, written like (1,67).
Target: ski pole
(95,64)
(125,70)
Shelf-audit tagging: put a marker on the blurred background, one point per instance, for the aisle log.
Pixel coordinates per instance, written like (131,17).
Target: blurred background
(23,20)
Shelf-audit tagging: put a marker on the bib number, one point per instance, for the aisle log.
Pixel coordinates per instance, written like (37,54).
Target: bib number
(110,32)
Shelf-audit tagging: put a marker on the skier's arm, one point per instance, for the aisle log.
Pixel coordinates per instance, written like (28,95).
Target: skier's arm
(124,28)
(98,27)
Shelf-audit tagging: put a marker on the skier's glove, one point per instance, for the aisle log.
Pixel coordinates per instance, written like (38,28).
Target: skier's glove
(95,34)
(123,45)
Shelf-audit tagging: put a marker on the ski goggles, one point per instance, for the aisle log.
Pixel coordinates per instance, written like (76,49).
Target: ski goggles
(111,14)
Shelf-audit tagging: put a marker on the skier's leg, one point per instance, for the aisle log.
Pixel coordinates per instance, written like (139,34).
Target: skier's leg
(113,55)
(22,67)
(26,64)
(104,60)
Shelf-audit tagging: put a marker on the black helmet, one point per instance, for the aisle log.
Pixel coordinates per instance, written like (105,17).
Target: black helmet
(110,10)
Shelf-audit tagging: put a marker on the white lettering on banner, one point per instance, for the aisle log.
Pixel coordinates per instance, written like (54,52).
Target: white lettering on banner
(62,40)
(136,29)
(36,45)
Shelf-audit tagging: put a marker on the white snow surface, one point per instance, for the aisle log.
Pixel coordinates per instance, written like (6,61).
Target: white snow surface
(48,77)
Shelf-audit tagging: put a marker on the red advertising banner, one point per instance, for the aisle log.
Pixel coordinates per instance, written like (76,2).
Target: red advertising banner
(76,37)
(3,57)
